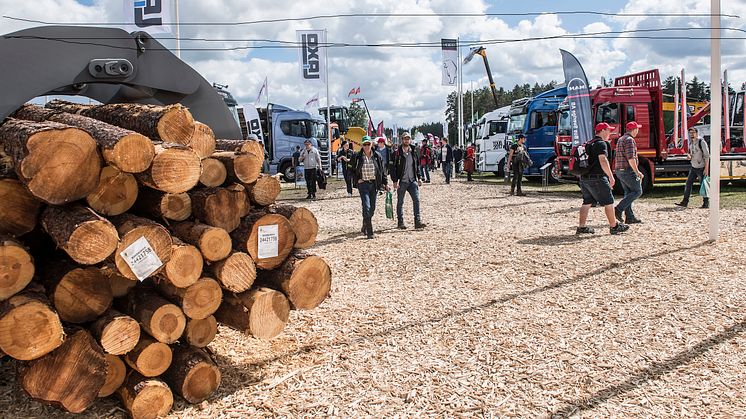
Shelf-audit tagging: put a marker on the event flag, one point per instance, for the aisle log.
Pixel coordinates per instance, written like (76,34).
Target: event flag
(579,99)
(312,60)
(151,16)
(450,65)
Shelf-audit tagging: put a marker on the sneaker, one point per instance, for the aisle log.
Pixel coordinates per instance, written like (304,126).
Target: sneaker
(349,195)
(520,194)
(308,196)
(618,214)
(633,221)
(370,236)
(584,230)
(618,228)
(419,225)
(705,205)
(401,226)
(512,193)
(682,204)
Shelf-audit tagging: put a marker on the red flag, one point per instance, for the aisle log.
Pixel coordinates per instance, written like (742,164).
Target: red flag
(353,91)
(380,129)
(357,92)
(370,127)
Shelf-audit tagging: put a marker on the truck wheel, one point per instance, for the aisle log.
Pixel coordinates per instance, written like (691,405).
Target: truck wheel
(500,169)
(647,181)
(288,172)
(555,173)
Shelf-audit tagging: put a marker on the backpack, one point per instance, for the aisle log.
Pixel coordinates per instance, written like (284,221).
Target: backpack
(526,159)
(579,164)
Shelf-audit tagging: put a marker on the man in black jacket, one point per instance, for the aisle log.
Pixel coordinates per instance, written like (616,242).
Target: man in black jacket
(458,155)
(369,176)
(406,176)
(446,159)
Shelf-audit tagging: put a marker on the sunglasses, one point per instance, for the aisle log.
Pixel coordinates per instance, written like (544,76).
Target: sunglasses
(366,145)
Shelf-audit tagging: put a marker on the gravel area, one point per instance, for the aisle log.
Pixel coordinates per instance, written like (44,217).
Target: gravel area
(495,309)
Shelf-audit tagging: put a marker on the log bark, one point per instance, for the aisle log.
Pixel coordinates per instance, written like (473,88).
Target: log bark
(213,174)
(305,279)
(174,170)
(241,146)
(264,191)
(131,229)
(200,332)
(260,312)
(304,224)
(79,295)
(192,374)
(185,266)
(149,357)
(120,285)
(246,238)
(115,194)
(57,163)
(117,333)
(159,318)
(197,301)
(145,398)
(29,327)
(115,373)
(16,267)
(236,273)
(219,207)
(171,124)
(126,150)
(19,209)
(85,236)
(240,167)
(70,377)
(161,205)
(214,243)
(203,140)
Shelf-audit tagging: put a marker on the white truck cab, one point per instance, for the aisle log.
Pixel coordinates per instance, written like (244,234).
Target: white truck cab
(492,141)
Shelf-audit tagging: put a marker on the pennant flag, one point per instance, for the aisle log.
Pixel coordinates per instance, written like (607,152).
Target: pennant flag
(312,100)
(263,88)
(380,130)
(370,127)
(312,55)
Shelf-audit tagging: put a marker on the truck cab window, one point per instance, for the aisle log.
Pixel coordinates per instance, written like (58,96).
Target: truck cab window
(738,116)
(608,112)
(630,113)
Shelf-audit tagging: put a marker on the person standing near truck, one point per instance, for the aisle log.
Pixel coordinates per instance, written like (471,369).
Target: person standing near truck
(425,158)
(346,156)
(596,185)
(469,161)
(517,156)
(312,164)
(699,154)
(627,170)
(369,177)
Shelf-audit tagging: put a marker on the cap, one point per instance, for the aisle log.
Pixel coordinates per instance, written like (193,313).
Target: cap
(633,125)
(307,142)
(406,134)
(366,139)
(253,137)
(429,135)
(603,125)
(381,140)
(519,136)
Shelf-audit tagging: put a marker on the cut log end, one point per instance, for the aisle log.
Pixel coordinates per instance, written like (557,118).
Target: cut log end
(115,373)
(236,273)
(167,323)
(145,398)
(29,327)
(133,153)
(203,140)
(92,242)
(16,268)
(176,126)
(200,332)
(115,194)
(310,283)
(193,375)
(19,209)
(156,235)
(81,295)
(215,244)
(305,226)
(265,190)
(120,335)
(213,173)
(285,241)
(150,358)
(174,170)
(185,266)
(201,299)
(269,311)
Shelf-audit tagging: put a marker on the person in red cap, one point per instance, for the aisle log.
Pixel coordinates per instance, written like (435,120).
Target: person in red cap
(628,172)
(596,185)
(385,151)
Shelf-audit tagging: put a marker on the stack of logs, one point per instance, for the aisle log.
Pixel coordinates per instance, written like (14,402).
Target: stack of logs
(125,237)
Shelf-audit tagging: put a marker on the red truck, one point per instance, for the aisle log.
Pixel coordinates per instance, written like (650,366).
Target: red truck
(639,97)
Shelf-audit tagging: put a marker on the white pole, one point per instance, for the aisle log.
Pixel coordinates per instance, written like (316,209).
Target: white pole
(266,89)
(178,30)
(460,122)
(676,112)
(328,113)
(716,109)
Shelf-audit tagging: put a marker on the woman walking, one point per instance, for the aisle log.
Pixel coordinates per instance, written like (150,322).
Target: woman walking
(369,177)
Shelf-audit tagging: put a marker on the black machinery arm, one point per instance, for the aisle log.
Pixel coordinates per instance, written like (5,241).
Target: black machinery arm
(108,65)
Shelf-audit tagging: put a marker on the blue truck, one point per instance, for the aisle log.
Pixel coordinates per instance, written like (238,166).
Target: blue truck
(536,118)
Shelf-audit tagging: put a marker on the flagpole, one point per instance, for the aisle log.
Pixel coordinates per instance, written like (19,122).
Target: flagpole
(459,121)
(716,110)
(266,89)
(178,30)
(328,112)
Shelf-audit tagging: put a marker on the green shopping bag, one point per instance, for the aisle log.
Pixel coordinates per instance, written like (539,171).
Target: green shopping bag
(389,205)
(704,189)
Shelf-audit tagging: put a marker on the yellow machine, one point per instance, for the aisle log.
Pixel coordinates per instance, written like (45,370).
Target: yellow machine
(355,135)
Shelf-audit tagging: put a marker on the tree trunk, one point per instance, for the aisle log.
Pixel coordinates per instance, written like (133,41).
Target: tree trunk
(192,375)
(236,273)
(198,300)
(29,327)
(131,229)
(126,150)
(85,236)
(241,146)
(18,208)
(117,333)
(115,194)
(145,398)
(57,163)
(245,205)
(264,191)
(162,320)
(219,207)
(174,170)
(241,167)
(213,242)
(16,267)
(170,124)
(120,285)
(161,205)
(203,140)
(200,332)
(261,312)
(304,224)
(70,377)
(185,266)
(149,357)
(79,295)
(305,279)
(246,238)
(115,373)
(213,173)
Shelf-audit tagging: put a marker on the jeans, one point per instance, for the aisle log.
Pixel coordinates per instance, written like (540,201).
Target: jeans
(517,177)
(447,171)
(414,192)
(348,179)
(425,172)
(368,195)
(458,166)
(693,174)
(310,175)
(632,186)
(596,188)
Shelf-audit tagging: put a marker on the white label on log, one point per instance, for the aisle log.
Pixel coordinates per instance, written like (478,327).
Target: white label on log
(141,258)
(269,239)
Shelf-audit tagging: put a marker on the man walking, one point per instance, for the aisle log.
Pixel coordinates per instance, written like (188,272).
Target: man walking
(346,157)
(385,152)
(596,185)
(458,155)
(405,174)
(699,154)
(425,157)
(312,164)
(515,163)
(369,177)
(446,159)
(627,170)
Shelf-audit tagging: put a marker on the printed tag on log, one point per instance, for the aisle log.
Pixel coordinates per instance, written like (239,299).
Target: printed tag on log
(269,239)
(141,258)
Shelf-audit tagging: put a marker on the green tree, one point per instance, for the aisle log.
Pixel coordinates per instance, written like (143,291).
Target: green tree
(358,116)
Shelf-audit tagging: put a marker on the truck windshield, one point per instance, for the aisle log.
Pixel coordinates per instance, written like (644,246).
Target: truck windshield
(319,130)
(299,128)
(738,111)
(516,123)
(497,127)
(565,127)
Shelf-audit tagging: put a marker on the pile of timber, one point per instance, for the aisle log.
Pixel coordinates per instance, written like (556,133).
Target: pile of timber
(127,233)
